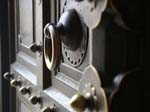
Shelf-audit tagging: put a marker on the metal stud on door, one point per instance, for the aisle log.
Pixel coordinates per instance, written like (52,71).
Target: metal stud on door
(91,96)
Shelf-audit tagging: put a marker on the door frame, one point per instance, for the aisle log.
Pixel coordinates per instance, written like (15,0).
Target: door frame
(7,42)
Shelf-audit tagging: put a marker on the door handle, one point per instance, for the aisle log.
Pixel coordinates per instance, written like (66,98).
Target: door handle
(80,102)
(68,31)
(24,90)
(91,95)
(52,46)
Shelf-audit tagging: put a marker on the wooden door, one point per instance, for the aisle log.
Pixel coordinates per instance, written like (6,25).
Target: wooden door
(72,56)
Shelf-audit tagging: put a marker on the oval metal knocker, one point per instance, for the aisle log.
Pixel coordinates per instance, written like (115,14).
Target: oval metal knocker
(52,46)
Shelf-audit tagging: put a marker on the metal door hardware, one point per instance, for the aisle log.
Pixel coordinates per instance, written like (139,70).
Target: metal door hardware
(90,10)
(71,29)
(52,46)
(34,100)
(80,102)
(24,90)
(8,75)
(71,56)
(74,38)
(91,96)
(15,83)
(71,33)
(35,48)
(48,109)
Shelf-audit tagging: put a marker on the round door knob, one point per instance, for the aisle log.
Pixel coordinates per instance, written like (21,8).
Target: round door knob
(24,90)
(78,103)
(34,100)
(8,75)
(15,83)
(71,30)
(48,109)
(68,30)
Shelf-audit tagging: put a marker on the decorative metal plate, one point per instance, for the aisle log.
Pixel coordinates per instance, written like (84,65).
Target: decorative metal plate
(91,83)
(89,10)
(75,58)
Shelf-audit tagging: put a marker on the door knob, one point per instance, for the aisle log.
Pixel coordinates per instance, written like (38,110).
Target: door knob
(71,30)
(8,75)
(15,83)
(34,48)
(24,90)
(68,30)
(81,102)
(78,102)
(91,96)
(34,100)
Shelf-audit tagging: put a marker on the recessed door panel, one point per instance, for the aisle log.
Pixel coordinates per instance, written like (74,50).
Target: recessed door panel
(27,75)
(26,17)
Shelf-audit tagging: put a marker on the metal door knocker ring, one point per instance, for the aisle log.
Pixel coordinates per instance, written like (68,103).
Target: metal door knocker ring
(52,46)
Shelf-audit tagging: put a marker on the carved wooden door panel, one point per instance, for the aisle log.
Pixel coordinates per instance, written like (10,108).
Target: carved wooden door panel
(27,70)
(68,56)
